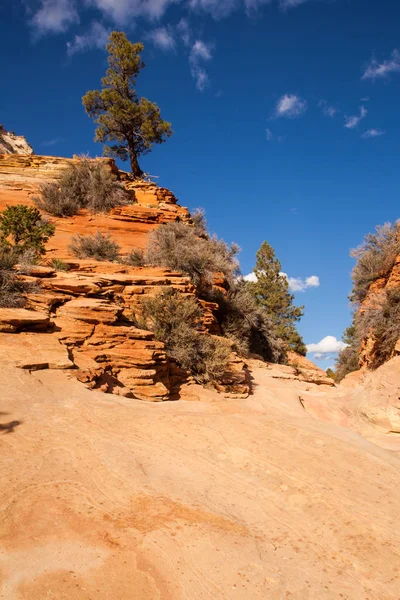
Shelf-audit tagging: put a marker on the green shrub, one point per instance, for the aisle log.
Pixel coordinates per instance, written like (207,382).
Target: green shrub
(178,247)
(375,258)
(175,320)
(88,184)
(97,246)
(23,228)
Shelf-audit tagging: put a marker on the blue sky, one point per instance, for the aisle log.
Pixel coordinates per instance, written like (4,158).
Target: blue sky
(285,118)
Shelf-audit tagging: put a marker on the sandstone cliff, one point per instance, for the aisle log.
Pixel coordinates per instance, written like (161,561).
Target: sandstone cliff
(10,143)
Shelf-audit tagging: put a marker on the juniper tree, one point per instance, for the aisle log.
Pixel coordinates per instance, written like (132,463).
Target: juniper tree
(271,291)
(134,124)
(23,228)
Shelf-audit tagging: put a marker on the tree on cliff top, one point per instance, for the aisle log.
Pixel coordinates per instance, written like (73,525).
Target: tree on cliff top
(271,291)
(134,124)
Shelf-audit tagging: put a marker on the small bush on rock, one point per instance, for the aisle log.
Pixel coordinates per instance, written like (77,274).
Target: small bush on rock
(23,228)
(97,246)
(135,258)
(175,320)
(375,258)
(12,288)
(178,247)
(87,184)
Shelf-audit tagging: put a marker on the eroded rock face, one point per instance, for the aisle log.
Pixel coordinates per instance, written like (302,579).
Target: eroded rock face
(10,143)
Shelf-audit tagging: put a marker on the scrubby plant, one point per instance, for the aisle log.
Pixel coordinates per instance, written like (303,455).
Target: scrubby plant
(176,320)
(178,247)
(87,184)
(97,246)
(381,321)
(348,358)
(12,288)
(246,324)
(375,258)
(23,228)
(26,261)
(135,258)
(59,265)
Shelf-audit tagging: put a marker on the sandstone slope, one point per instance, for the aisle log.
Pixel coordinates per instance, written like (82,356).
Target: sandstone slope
(104,497)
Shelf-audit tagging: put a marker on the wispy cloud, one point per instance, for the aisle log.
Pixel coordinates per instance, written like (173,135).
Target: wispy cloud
(163,38)
(54,16)
(372,133)
(285,4)
(327,345)
(296,284)
(353,121)
(269,135)
(184,30)
(327,109)
(121,11)
(379,70)
(290,106)
(95,37)
(50,143)
(200,52)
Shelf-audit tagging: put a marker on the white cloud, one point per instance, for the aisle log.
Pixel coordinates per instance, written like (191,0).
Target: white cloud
(96,37)
(326,109)
(327,345)
(199,53)
(269,134)
(376,70)
(121,11)
(54,16)
(296,284)
(372,133)
(250,277)
(200,50)
(162,38)
(353,121)
(290,106)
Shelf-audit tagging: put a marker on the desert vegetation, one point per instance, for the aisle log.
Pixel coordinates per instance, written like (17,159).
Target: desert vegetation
(379,319)
(98,246)
(23,234)
(87,184)
(176,321)
(133,124)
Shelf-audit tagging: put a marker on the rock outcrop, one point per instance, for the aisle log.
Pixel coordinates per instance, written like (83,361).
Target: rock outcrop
(10,143)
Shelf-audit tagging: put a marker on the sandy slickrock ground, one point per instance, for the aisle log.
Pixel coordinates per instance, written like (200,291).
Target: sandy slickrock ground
(103,497)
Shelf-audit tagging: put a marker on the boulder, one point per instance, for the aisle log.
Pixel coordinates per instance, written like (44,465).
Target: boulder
(34,351)
(90,310)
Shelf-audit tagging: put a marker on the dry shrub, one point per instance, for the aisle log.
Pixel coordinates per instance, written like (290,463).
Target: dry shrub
(88,184)
(382,322)
(175,320)
(178,247)
(247,325)
(12,288)
(97,246)
(135,258)
(375,258)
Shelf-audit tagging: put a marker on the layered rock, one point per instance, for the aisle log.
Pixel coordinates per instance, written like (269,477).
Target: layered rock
(22,175)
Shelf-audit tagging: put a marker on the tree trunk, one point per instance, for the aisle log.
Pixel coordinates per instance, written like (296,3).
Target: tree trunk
(136,170)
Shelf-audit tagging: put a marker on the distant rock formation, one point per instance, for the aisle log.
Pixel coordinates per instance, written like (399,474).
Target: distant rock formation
(10,143)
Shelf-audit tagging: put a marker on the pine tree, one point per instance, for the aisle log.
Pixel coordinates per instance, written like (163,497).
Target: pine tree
(23,228)
(271,291)
(133,123)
